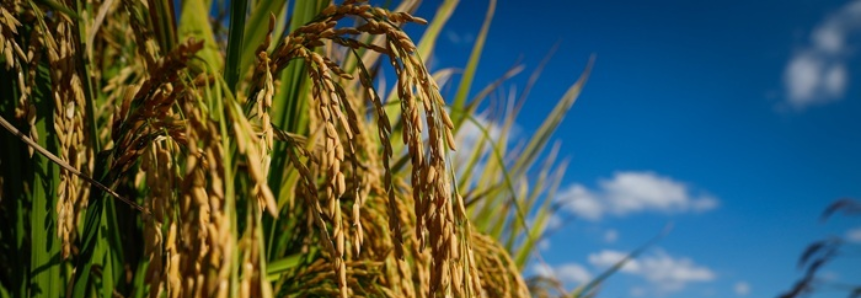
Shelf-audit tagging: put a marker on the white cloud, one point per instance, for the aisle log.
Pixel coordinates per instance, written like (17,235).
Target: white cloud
(607,258)
(542,269)
(470,136)
(573,273)
(854,235)
(544,244)
(455,38)
(554,222)
(666,273)
(582,202)
(566,273)
(741,288)
(452,37)
(829,276)
(489,133)
(817,73)
(631,192)
(611,236)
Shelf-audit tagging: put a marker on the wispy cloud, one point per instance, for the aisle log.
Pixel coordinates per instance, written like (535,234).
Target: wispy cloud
(456,38)
(566,273)
(631,192)
(484,132)
(817,73)
(665,273)
(471,134)
(741,288)
(611,235)
(544,244)
(854,235)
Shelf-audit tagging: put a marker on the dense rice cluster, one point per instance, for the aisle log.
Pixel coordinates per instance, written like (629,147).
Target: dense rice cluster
(365,216)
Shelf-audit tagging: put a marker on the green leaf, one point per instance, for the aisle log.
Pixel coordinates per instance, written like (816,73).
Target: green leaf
(45,254)
(275,268)
(194,24)
(234,42)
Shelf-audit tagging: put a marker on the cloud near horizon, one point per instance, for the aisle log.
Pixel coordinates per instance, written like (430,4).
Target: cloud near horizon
(566,273)
(741,288)
(854,235)
(632,192)
(817,73)
(666,273)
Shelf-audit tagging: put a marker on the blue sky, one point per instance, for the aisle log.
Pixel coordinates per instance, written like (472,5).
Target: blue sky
(737,121)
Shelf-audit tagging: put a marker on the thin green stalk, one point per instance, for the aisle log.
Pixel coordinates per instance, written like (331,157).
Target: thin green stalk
(234,42)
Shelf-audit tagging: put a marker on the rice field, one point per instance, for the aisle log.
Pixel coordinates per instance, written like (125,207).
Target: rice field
(153,150)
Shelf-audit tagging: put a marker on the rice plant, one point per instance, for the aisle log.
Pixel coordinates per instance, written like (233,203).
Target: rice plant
(150,151)
(819,254)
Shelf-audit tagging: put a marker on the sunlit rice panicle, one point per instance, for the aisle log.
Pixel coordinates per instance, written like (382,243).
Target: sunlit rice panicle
(160,174)
(264,89)
(148,114)
(499,274)
(14,55)
(200,208)
(434,200)
(68,116)
(149,123)
(147,47)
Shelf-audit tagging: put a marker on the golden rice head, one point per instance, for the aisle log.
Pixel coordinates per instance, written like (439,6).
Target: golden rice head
(147,47)
(264,89)
(149,127)
(15,59)
(9,24)
(434,202)
(159,169)
(203,254)
(499,275)
(438,210)
(148,114)
(13,53)
(68,116)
